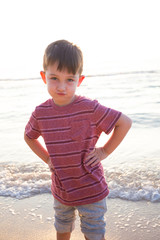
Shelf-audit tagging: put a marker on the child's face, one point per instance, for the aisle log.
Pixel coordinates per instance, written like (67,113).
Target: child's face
(61,85)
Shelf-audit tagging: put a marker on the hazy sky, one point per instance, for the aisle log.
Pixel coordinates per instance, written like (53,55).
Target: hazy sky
(125,31)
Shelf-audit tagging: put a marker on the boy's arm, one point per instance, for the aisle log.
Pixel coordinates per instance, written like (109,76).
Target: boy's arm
(37,148)
(121,128)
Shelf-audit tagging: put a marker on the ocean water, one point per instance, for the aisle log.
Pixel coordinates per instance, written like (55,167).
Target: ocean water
(132,171)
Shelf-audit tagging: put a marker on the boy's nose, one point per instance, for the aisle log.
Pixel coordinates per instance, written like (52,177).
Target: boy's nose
(61,87)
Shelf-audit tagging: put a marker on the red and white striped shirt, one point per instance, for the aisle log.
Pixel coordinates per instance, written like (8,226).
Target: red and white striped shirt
(70,133)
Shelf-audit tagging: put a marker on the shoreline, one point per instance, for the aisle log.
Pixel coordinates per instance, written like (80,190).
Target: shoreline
(32,218)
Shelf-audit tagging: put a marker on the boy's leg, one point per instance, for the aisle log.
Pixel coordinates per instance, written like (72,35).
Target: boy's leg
(92,220)
(63,236)
(64,220)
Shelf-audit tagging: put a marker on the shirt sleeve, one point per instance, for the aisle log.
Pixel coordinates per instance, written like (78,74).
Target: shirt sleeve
(32,128)
(105,118)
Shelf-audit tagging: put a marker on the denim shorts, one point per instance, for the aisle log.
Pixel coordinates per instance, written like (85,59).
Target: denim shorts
(91,215)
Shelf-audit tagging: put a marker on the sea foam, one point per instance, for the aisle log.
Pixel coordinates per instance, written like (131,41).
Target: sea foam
(27,180)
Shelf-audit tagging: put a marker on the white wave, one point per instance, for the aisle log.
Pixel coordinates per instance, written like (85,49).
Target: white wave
(134,184)
(25,180)
(21,181)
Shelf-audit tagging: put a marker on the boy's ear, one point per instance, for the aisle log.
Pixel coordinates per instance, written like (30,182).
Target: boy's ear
(43,76)
(80,80)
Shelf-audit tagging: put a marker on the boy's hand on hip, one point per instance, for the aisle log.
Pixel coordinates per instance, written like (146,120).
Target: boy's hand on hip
(96,156)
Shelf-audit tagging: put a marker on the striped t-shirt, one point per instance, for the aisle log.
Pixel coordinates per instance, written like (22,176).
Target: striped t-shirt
(70,133)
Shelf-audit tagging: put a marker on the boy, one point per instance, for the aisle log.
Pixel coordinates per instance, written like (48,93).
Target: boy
(70,126)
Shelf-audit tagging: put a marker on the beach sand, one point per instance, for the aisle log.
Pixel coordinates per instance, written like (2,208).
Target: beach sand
(32,218)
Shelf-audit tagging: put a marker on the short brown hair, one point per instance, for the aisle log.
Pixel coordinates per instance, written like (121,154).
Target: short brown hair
(66,54)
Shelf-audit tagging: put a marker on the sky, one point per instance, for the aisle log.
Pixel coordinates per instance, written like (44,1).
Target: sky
(110,33)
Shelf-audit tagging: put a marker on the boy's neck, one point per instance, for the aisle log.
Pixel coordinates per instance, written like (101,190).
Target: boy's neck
(63,105)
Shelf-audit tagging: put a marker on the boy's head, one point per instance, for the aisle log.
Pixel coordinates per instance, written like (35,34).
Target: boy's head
(63,65)
(67,55)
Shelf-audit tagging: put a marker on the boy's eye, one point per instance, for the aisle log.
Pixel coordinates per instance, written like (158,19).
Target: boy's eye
(53,78)
(70,80)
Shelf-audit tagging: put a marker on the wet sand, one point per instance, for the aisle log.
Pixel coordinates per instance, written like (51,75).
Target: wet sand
(32,218)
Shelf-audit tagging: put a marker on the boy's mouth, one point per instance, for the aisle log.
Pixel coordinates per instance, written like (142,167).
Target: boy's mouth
(61,94)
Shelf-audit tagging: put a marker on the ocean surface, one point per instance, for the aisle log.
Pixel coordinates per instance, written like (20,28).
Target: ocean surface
(132,171)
